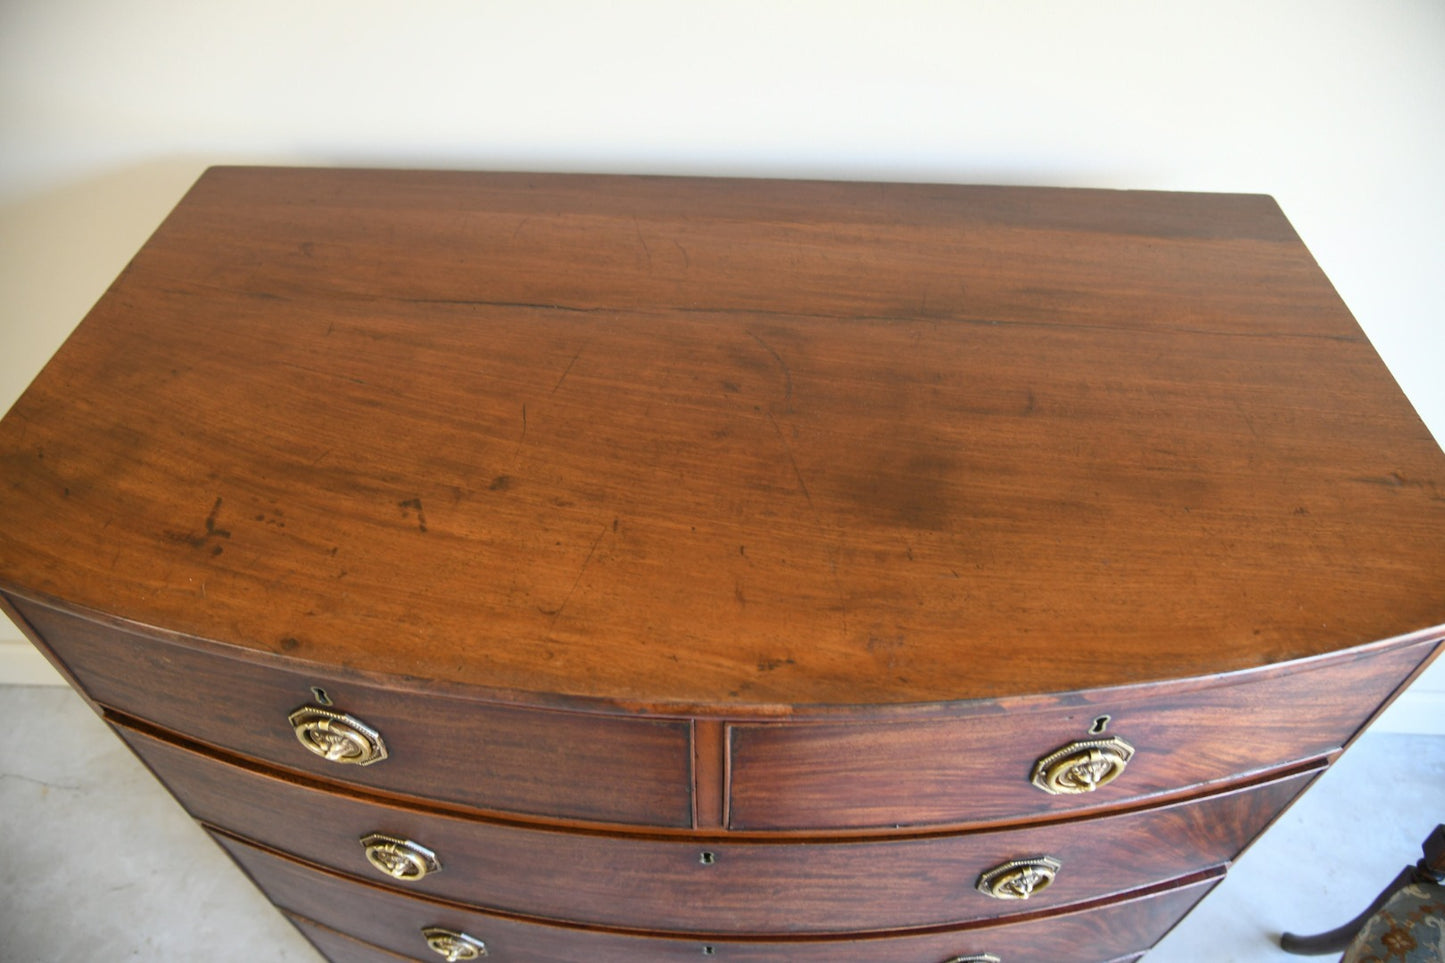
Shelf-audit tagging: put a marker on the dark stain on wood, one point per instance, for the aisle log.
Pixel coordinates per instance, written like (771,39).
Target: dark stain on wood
(413,505)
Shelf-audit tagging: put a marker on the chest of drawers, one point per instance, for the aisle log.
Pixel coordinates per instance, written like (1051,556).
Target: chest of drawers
(558,568)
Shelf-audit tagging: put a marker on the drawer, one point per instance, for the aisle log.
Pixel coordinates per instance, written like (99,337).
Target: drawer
(719,885)
(394,921)
(476,754)
(977,766)
(340,948)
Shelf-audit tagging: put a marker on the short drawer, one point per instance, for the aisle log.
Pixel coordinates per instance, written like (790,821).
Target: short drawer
(472,753)
(977,766)
(393,921)
(718,885)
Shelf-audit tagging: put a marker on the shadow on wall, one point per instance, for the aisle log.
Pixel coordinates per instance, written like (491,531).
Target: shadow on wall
(59,251)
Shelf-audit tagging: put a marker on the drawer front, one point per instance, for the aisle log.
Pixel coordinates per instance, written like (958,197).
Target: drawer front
(394,922)
(501,758)
(712,885)
(801,776)
(340,948)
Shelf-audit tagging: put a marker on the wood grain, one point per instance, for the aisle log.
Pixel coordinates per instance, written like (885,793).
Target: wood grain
(780,887)
(977,767)
(709,774)
(556,765)
(340,948)
(392,921)
(734,447)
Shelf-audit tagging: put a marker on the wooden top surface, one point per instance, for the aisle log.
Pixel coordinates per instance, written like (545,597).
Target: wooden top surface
(744,446)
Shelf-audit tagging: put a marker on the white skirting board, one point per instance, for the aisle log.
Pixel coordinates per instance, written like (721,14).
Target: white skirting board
(1419,711)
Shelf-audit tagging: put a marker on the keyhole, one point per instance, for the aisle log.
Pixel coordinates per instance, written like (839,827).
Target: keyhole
(1100,724)
(319,694)
(707,858)
(708,951)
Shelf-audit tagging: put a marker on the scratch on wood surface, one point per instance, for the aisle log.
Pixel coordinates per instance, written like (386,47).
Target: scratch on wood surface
(578,580)
(647,251)
(1248,421)
(817,520)
(782,365)
(797,472)
(568,370)
(320,372)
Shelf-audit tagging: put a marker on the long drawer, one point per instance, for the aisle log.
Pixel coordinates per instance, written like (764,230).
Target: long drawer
(502,758)
(394,921)
(719,885)
(340,948)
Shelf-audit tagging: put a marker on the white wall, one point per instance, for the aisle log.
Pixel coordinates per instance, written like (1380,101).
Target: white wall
(109,108)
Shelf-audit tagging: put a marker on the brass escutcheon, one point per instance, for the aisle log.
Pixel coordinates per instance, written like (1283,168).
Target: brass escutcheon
(1019,878)
(1082,766)
(337,737)
(453,946)
(400,858)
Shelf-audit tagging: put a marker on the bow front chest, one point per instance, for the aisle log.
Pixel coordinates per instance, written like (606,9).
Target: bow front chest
(558,568)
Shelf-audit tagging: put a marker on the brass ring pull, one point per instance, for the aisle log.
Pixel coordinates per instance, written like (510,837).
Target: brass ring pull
(975,958)
(337,737)
(1082,766)
(453,946)
(400,858)
(1019,878)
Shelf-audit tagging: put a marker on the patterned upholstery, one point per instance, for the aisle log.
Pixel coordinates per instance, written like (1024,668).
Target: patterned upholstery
(1410,928)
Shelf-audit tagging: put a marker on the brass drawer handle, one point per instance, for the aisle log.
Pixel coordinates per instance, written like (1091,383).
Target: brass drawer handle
(453,946)
(1019,878)
(976,958)
(400,858)
(1082,766)
(337,737)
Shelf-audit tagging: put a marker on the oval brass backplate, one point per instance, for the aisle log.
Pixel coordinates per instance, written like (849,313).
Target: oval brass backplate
(452,945)
(1019,878)
(1082,766)
(399,858)
(337,737)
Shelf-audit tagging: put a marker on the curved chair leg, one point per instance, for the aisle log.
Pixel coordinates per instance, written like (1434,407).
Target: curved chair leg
(1335,940)
(1430,869)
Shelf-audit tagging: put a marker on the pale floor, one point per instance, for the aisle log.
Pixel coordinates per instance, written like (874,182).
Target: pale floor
(97,863)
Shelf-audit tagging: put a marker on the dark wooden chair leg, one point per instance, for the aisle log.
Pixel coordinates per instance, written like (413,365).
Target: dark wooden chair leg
(1335,940)
(1430,869)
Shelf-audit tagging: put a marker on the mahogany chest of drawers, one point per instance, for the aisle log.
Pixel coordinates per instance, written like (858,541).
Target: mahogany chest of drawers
(560,568)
